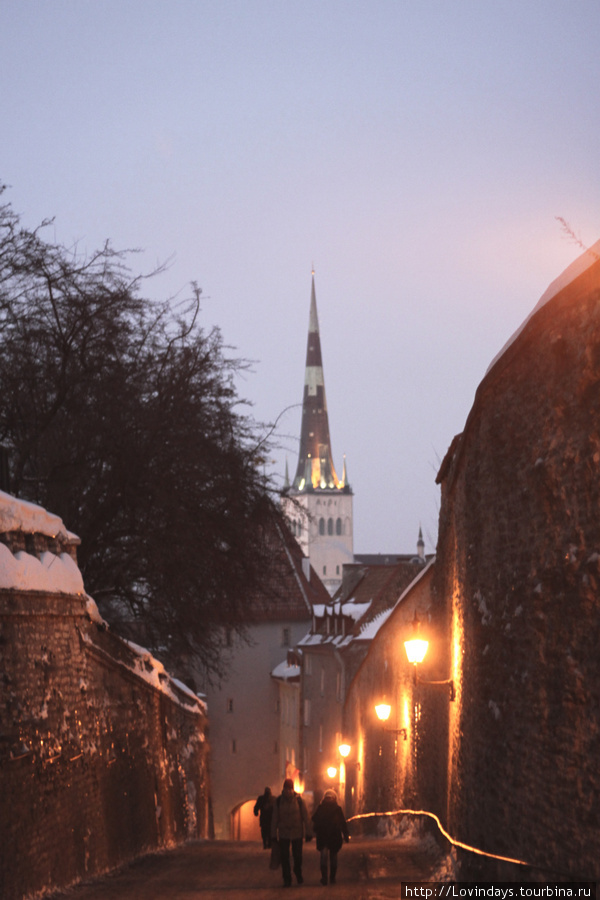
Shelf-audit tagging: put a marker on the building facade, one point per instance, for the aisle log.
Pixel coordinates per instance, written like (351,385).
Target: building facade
(338,641)
(244,706)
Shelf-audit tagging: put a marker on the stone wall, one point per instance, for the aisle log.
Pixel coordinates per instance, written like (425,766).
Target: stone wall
(102,755)
(518,573)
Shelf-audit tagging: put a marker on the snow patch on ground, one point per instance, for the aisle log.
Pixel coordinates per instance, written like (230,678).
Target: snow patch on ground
(410,831)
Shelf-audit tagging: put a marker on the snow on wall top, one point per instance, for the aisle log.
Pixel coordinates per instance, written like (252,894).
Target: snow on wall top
(20,515)
(50,573)
(583,262)
(26,572)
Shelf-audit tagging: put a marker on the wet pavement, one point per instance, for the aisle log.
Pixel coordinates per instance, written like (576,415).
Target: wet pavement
(369,869)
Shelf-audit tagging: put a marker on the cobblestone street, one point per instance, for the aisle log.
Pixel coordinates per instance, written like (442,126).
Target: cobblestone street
(368,868)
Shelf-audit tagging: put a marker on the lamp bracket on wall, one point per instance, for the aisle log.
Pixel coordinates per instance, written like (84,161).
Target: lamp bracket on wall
(448,682)
(401,731)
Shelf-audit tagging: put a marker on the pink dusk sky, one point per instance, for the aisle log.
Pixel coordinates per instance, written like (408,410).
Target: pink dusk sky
(418,154)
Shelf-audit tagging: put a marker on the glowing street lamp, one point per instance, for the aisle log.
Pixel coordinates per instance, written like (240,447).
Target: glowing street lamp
(416,648)
(344,750)
(331,771)
(383,711)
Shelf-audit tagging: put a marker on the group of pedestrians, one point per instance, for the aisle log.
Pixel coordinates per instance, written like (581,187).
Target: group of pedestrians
(285,825)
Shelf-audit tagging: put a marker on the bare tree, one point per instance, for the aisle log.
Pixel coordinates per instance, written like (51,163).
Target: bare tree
(122,416)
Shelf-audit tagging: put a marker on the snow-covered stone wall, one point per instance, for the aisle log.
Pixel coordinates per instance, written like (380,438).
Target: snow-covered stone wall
(518,567)
(102,753)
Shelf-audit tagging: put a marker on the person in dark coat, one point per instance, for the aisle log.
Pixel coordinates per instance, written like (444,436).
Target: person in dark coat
(331,830)
(263,808)
(290,824)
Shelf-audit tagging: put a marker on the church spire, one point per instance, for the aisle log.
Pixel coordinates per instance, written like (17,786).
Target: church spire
(315,464)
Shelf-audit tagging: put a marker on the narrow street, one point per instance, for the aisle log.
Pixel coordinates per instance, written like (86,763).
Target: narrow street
(368,869)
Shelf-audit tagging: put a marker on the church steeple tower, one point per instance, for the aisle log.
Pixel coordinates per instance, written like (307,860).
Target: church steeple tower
(315,463)
(318,503)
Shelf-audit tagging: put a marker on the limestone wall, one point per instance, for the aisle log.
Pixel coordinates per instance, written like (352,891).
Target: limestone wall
(518,572)
(102,755)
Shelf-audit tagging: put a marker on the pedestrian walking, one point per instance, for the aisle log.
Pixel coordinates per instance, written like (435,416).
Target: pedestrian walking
(331,831)
(289,826)
(263,808)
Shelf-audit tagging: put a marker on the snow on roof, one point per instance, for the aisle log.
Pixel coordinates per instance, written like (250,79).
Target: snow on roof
(310,640)
(583,262)
(356,611)
(50,573)
(20,515)
(319,610)
(285,671)
(370,629)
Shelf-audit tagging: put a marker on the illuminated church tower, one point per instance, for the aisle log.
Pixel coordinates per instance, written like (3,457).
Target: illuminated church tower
(318,504)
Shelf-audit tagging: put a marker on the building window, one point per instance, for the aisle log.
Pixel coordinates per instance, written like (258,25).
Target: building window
(337,570)
(321,526)
(324,570)
(329,526)
(234,746)
(230,704)
(306,713)
(285,637)
(338,526)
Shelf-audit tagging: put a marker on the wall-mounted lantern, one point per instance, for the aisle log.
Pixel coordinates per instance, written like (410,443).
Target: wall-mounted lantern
(416,648)
(345,750)
(383,710)
(331,771)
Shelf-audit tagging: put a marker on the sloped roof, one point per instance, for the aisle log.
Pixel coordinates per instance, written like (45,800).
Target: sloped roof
(364,601)
(293,586)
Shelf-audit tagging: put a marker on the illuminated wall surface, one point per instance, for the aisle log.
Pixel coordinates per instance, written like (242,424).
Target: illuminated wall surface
(386,765)
(518,570)
(511,608)
(102,754)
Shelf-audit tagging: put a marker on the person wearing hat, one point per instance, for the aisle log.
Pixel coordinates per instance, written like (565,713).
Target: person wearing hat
(289,825)
(331,830)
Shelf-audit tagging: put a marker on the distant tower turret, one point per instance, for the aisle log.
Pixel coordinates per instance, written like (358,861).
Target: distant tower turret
(318,503)
(421,545)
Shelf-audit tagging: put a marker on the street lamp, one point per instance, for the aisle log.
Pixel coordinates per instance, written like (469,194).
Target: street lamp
(416,648)
(331,771)
(383,711)
(344,750)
